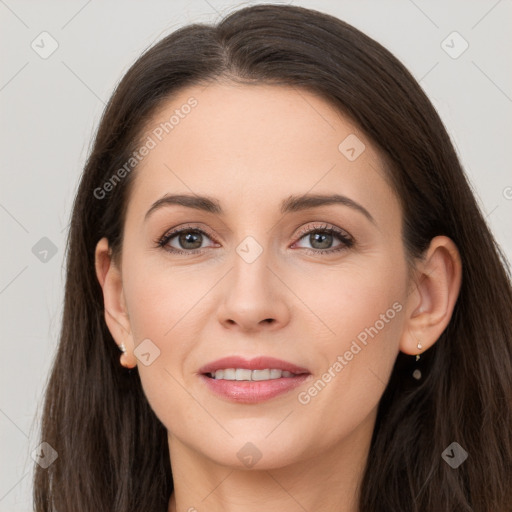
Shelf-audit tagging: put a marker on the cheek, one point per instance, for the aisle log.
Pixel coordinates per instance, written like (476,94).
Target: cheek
(361,317)
(352,302)
(160,299)
(166,306)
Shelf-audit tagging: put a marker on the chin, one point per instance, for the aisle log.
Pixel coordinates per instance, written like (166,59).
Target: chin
(255,452)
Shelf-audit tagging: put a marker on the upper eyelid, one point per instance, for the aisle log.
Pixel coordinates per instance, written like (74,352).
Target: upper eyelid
(171,233)
(326,226)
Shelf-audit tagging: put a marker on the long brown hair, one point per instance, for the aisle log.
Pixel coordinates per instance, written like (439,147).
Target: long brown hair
(113,450)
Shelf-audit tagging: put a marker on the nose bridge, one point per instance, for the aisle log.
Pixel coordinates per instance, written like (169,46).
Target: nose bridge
(251,277)
(251,295)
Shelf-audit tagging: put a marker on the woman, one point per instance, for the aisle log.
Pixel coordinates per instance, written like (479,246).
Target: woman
(274,229)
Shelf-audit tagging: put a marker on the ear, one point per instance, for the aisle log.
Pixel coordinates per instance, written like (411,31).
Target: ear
(436,286)
(116,314)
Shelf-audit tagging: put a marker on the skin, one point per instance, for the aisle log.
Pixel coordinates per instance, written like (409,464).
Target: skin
(250,147)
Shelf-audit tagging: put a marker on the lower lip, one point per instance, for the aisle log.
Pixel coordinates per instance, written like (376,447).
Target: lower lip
(245,391)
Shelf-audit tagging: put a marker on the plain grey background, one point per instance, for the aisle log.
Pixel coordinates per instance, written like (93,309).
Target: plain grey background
(51,104)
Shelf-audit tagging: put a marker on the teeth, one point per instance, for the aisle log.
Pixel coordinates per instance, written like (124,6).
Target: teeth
(241,374)
(263,374)
(229,374)
(244,374)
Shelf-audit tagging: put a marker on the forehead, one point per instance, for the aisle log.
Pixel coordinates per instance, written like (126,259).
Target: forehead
(259,120)
(254,143)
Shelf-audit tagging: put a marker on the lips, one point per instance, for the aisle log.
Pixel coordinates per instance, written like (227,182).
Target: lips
(258,363)
(233,378)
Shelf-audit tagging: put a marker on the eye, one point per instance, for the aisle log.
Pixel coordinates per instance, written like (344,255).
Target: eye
(186,240)
(190,240)
(322,238)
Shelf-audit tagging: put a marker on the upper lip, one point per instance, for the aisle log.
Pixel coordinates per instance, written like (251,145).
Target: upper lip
(257,363)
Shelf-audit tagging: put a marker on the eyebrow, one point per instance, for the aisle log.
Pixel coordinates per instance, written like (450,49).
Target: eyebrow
(291,204)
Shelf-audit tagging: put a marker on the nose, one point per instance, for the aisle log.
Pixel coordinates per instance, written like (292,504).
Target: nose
(254,296)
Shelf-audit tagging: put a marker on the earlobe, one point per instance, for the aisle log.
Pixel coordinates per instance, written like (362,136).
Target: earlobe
(430,306)
(116,315)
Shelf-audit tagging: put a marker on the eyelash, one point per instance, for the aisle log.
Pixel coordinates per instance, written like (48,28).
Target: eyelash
(346,241)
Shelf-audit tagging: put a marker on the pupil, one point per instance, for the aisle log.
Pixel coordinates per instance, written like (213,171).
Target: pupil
(321,237)
(188,238)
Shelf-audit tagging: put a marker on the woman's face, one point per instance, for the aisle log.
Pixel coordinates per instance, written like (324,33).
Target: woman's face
(250,278)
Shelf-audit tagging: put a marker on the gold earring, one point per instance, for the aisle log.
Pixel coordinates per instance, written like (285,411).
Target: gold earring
(420,346)
(417,373)
(122,360)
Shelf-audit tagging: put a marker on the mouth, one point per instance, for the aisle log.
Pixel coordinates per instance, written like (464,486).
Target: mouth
(244,374)
(251,381)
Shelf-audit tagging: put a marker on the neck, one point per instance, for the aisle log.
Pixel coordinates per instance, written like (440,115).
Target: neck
(327,481)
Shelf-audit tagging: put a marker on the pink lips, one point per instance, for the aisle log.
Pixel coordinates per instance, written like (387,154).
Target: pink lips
(252,391)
